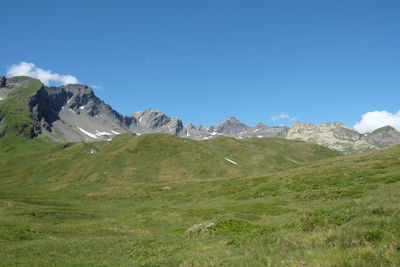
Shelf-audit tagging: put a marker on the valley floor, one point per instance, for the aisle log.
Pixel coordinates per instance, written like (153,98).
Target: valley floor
(343,211)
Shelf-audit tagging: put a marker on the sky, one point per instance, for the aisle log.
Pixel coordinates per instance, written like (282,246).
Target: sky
(274,62)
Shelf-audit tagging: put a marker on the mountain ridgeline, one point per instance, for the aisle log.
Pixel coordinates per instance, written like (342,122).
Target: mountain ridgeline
(73,113)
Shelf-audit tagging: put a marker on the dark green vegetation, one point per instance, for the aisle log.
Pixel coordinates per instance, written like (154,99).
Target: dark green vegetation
(286,203)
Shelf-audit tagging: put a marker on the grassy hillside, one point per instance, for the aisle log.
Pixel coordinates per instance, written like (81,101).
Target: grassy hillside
(342,211)
(16,122)
(150,158)
(14,109)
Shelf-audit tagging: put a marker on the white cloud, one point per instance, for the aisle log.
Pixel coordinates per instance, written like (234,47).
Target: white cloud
(46,76)
(281,116)
(371,121)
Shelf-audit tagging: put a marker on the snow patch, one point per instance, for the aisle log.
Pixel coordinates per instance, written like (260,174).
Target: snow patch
(72,110)
(87,133)
(259,136)
(231,161)
(69,100)
(114,132)
(82,107)
(1,98)
(98,133)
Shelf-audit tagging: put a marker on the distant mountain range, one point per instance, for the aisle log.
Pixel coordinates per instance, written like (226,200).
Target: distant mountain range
(73,113)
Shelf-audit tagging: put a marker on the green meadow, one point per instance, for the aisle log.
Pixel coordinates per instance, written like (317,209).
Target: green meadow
(132,202)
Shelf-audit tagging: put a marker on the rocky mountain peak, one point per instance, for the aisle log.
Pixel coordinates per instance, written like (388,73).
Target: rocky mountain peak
(384,137)
(151,118)
(230,126)
(232,120)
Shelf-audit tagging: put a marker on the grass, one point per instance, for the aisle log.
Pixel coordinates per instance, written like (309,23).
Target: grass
(341,211)
(15,111)
(142,159)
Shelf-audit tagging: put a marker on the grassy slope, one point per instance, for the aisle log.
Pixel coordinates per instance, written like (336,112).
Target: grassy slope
(150,158)
(15,110)
(18,121)
(342,211)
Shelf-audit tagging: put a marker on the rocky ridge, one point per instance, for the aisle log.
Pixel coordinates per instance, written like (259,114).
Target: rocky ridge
(74,113)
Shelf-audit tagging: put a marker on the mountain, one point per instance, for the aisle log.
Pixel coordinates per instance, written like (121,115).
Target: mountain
(154,121)
(384,137)
(73,113)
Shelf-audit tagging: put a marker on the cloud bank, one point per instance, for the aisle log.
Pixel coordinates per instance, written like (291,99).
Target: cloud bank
(371,121)
(46,76)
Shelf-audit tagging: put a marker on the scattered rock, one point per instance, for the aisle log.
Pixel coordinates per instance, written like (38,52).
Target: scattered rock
(200,227)
(166,188)
(303,263)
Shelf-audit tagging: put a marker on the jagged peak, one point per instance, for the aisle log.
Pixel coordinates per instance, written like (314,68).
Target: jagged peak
(77,89)
(147,111)
(231,119)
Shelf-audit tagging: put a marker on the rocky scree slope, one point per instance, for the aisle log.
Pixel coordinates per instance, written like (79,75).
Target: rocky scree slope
(73,113)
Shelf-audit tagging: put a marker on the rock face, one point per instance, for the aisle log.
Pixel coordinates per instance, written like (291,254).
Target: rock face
(384,137)
(231,126)
(334,135)
(151,121)
(74,113)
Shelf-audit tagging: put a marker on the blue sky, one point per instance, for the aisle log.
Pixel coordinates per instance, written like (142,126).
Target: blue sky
(203,61)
